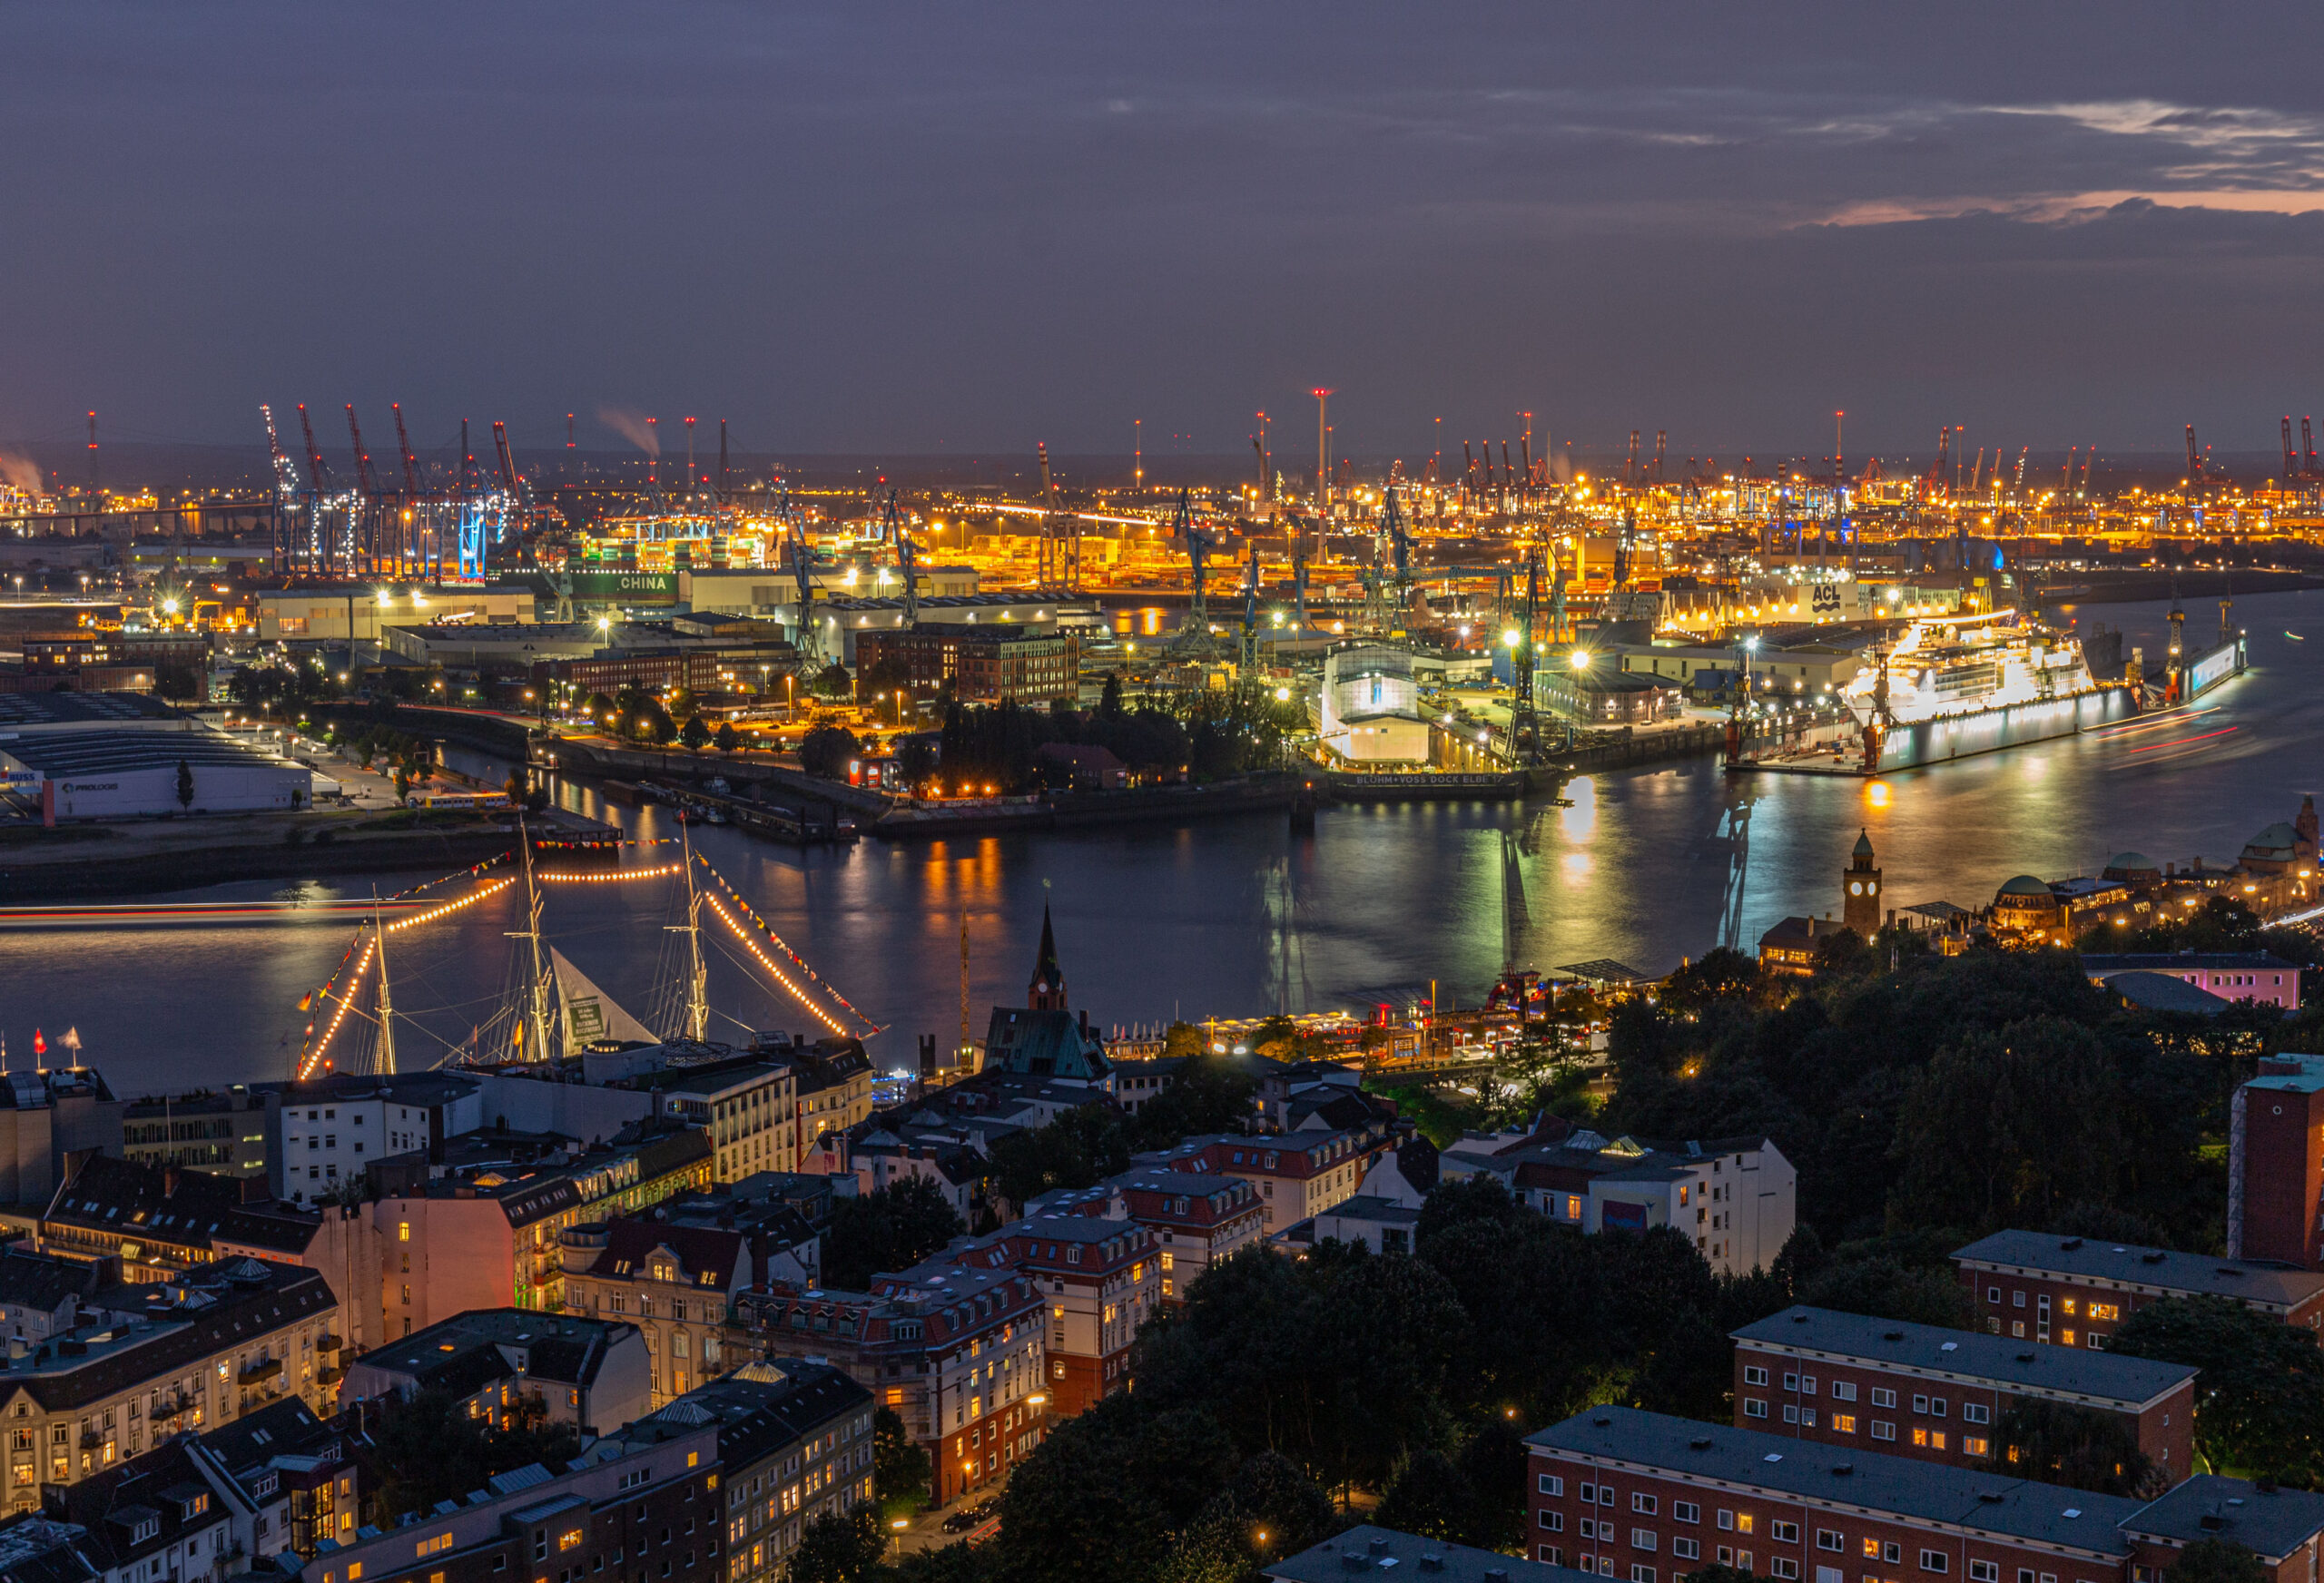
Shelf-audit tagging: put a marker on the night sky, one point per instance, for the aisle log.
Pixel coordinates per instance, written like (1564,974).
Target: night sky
(953,228)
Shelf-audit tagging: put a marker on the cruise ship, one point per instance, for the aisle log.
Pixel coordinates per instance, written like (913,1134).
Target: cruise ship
(1951,686)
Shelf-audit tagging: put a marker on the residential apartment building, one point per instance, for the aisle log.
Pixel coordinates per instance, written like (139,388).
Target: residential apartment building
(1378,1552)
(1100,1278)
(151,1222)
(506,1363)
(1198,1218)
(955,1351)
(1622,1493)
(639,1498)
(124,1367)
(749,1108)
(289,1480)
(675,1282)
(491,1236)
(1297,1175)
(1736,1199)
(224,1132)
(327,1132)
(795,1443)
(2074,1290)
(2275,1163)
(153,1517)
(1923,1392)
(831,1081)
(47,1117)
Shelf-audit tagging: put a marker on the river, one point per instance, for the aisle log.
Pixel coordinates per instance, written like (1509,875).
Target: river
(1240,917)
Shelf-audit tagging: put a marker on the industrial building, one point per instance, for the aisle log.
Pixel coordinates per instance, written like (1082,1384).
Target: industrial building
(1371,706)
(125,755)
(363,612)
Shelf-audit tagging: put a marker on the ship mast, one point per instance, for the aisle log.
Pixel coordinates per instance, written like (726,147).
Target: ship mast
(536,1007)
(697,1022)
(385,1062)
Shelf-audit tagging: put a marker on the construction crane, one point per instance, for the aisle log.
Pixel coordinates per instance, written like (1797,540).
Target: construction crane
(1247,660)
(906,564)
(803,575)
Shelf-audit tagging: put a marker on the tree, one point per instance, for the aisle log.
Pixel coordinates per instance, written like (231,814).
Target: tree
(2218,1560)
(1428,1497)
(891,1228)
(680,704)
(2259,1407)
(2009,1128)
(435,1451)
(831,682)
(826,750)
(728,738)
(695,734)
(186,784)
(177,682)
(917,758)
(600,709)
(2079,1447)
(1080,1146)
(838,1548)
(1107,1489)
(899,1468)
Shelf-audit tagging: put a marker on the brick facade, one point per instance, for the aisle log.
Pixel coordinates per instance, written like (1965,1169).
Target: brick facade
(2074,1291)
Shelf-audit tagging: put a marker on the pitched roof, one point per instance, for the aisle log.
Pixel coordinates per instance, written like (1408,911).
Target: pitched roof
(1751,1460)
(716,1252)
(2137,1268)
(2273,1521)
(1382,1552)
(2096,1378)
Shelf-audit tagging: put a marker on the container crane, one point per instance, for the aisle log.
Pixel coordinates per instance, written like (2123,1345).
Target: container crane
(2194,462)
(803,573)
(1060,544)
(1935,479)
(1661,441)
(411,462)
(362,457)
(2291,458)
(1629,467)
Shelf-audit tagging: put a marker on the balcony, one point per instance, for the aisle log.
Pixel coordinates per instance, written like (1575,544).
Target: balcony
(328,1343)
(260,1372)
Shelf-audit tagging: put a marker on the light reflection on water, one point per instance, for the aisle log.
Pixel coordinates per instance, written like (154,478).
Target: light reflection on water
(1239,916)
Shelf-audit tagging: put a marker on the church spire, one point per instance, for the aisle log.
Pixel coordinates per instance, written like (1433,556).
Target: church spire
(1047,991)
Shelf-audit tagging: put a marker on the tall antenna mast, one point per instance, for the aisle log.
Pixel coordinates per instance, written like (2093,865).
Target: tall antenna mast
(697,1023)
(961,1057)
(386,1060)
(536,1008)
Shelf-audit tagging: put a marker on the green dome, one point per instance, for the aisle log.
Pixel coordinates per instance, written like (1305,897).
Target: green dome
(2130,863)
(2025,885)
(2276,837)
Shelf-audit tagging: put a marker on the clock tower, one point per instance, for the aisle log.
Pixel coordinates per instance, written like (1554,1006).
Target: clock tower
(1861,898)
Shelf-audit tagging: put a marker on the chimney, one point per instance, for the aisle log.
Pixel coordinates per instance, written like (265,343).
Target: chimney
(170,1176)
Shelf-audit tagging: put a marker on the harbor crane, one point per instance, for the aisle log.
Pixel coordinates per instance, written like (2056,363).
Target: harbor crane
(1061,541)
(893,525)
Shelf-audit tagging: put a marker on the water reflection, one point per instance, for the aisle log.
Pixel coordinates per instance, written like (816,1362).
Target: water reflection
(1242,916)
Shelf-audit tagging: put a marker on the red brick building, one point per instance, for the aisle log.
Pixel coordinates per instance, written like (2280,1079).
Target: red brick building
(1100,1280)
(2275,1163)
(984,664)
(1298,1175)
(955,1352)
(2073,1291)
(1199,1219)
(1649,1498)
(1936,1395)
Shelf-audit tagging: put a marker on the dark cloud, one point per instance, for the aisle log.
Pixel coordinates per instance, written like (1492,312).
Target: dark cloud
(912,228)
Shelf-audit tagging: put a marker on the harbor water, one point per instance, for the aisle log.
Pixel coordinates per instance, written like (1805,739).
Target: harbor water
(1237,916)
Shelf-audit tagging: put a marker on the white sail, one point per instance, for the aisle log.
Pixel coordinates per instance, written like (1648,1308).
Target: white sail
(590,1014)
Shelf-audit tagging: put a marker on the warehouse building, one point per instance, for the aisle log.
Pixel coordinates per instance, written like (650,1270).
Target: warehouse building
(123,755)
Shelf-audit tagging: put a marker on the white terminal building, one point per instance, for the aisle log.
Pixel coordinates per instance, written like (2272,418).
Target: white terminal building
(1371,706)
(119,755)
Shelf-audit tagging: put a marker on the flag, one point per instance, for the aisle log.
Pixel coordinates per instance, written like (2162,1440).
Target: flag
(73,1039)
(40,1045)
(307,1001)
